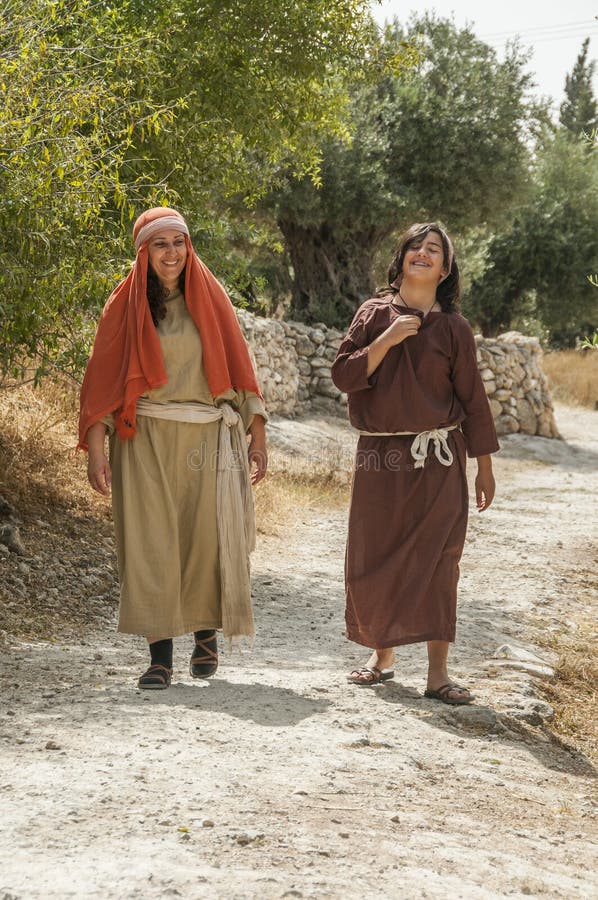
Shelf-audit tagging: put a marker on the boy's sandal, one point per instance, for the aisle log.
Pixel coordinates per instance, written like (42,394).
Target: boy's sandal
(367,676)
(157,678)
(204,661)
(443,692)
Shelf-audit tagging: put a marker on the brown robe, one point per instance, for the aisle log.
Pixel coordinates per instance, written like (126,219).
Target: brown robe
(407,526)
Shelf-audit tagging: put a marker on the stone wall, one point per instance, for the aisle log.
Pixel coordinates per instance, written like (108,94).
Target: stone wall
(511,368)
(293,364)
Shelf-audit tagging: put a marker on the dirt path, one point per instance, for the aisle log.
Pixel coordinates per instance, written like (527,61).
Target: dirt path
(276,779)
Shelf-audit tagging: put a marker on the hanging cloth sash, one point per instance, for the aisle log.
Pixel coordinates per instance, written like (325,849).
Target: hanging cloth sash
(234,506)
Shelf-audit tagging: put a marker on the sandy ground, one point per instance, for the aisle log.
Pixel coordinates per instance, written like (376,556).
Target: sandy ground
(276,778)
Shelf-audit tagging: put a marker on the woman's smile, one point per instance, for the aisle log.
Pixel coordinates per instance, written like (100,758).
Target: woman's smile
(168,255)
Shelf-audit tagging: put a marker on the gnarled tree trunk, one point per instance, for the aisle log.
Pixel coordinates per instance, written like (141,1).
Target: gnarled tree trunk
(332,270)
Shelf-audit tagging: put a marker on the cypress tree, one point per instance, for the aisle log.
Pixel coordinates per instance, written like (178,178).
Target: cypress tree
(579,112)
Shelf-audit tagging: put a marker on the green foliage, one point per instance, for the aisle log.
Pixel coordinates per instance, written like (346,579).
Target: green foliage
(265,82)
(590,343)
(109,108)
(71,111)
(539,265)
(448,141)
(262,80)
(579,111)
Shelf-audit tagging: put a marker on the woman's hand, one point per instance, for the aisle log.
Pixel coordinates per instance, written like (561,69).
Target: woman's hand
(485,485)
(257,453)
(402,327)
(98,467)
(98,472)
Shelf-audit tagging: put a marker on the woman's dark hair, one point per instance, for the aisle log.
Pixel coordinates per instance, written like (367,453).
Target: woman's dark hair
(448,292)
(157,293)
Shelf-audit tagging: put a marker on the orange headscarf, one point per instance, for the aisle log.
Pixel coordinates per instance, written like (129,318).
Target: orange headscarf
(126,360)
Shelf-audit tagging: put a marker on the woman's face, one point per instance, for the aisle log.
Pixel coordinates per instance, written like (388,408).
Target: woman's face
(168,254)
(424,259)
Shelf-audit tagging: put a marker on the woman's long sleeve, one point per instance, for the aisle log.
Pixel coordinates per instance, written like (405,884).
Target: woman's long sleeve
(250,405)
(109,423)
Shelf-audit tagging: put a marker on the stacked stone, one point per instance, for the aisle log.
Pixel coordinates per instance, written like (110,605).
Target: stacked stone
(316,348)
(293,364)
(276,363)
(516,386)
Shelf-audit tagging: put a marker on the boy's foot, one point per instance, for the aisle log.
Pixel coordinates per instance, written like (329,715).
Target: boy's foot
(453,694)
(369,675)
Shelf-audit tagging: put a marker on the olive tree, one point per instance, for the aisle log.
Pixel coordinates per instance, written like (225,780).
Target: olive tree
(450,141)
(107,108)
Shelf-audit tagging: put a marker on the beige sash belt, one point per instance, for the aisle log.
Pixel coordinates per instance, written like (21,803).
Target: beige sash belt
(419,447)
(234,506)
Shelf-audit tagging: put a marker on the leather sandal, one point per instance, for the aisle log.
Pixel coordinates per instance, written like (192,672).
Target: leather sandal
(204,661)
(157,678)
(442,694)
(366,676)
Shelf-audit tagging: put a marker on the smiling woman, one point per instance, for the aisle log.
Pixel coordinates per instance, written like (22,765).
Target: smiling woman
(171,379)
(167,256)
(167,252)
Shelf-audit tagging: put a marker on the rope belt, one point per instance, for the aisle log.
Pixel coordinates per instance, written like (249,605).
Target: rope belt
(420,446)
(234,505)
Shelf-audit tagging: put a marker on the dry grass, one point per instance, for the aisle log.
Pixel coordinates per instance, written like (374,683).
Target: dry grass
(573,376)
(38,435)
(290,488)
(574,691)
(64,527)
